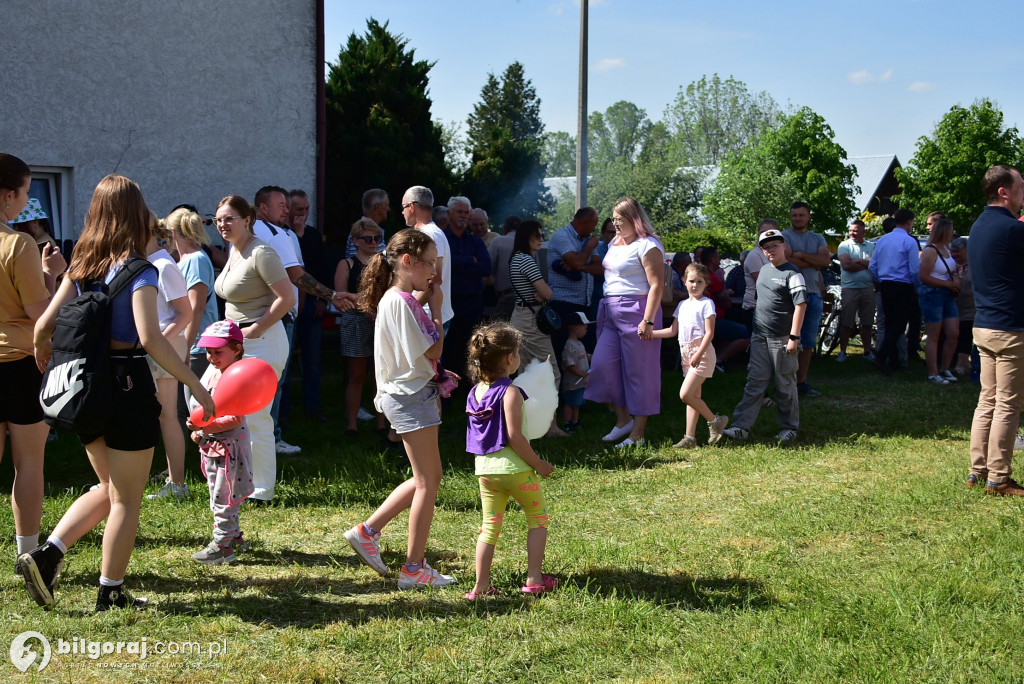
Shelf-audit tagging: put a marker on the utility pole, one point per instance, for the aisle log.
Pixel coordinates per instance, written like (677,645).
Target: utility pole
(581,114)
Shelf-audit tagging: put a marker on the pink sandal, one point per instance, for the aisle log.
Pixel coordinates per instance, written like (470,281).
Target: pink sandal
(549,585)
(474,595)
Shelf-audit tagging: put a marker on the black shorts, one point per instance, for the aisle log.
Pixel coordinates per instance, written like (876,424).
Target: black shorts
(133,423)
(19,400)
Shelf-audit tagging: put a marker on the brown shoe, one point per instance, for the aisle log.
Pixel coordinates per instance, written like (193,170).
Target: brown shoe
(973,479)
(1008,488)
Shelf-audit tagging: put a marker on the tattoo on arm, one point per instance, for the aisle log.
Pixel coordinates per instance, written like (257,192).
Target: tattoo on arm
(310,285)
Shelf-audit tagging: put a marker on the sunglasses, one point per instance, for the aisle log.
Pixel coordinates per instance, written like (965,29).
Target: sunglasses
(370,239)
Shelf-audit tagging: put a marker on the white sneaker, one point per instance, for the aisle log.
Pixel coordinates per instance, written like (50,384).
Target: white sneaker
(947,375)
(715,428)
(286,449)
(178,491)
(368,548)
(938,380)
(423,578)
(1018,442)
(364,414)
(736,433)
(628,442)
(841,357)
(618,433)
(786,436)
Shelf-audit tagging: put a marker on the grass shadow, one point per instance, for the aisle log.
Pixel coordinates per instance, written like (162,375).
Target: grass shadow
(685,592)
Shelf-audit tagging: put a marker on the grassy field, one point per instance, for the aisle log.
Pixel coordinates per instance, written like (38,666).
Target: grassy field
(854,555)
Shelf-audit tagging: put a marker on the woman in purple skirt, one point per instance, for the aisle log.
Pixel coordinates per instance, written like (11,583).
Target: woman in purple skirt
(625,371)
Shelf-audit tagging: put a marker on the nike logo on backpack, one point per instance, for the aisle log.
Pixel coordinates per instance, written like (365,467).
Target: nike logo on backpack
(63,382)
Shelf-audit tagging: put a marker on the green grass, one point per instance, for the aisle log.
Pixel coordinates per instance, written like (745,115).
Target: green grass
(855,555)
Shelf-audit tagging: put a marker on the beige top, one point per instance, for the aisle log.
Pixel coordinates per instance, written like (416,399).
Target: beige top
(245,282)
(21,284)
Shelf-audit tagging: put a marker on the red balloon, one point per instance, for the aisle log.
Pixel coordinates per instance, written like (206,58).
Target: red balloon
(247,386)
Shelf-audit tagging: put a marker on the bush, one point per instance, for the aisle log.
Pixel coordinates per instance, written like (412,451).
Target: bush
(688,239)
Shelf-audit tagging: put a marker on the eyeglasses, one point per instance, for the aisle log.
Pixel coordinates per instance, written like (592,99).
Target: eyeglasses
(617,221)
(408,204)
(370,239)
(225,220)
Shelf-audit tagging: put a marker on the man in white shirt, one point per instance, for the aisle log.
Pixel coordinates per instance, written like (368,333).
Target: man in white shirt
(271,226)
(417,203)
(858,298)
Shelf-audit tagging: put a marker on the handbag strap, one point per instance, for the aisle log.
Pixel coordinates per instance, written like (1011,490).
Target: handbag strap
(938,254)
(518,293)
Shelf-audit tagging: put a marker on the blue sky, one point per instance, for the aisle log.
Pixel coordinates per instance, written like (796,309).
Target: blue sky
(881,73)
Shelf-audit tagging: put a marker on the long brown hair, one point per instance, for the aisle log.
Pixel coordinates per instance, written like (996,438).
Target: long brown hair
(488,347)
(380,269)
(116,228)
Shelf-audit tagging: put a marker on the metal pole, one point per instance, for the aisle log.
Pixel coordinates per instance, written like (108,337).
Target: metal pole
(581,114)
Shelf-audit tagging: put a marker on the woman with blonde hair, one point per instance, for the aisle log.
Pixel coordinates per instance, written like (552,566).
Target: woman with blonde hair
(115,235)
(625,371)
(175,313)
(356,327)
(940,285)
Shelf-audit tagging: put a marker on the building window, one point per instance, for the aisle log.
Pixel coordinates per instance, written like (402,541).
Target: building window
(50,185)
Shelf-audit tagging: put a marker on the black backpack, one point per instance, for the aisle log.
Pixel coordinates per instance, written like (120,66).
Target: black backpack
(78,385)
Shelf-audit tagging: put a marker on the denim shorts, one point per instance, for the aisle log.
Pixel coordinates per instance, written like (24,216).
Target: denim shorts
(573,397)
(937,304)
(812,321)
(411,412)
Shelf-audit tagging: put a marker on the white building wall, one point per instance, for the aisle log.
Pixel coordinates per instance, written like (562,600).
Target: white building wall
(194,100)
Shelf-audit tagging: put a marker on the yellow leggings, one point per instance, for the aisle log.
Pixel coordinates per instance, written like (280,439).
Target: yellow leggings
(495,491)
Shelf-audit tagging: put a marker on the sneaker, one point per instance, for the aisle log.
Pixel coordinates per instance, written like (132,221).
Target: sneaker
(629,441)
(686,442)
(571,427)
(422,578)
(178,491)
(618,433)
(736,433)
(973,480)
(805,390)
(869,356)
(786,436)
(1018,442)
(841,357)
(938,380)
(715,428)
(364,414)
(286,449)
(215,554)
(1008,488)
(947,375)
(118,597)
(40,569)
(367,548)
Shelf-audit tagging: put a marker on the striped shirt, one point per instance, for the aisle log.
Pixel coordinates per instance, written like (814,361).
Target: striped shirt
(524,272)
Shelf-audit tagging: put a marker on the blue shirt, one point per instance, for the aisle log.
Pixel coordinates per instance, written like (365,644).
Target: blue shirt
(471,262)
(197,268)
(563,289)
(897,258)
(995,257)
(122,316)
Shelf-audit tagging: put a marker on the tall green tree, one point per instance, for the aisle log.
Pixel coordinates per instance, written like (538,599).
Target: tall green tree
(505,137)
(559,154)
(946,170)
(379,129)
(798,161)
(712,119)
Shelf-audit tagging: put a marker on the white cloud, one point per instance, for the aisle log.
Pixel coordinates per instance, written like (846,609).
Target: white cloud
(609,64)
(557,9)
(864,77)
(921,87)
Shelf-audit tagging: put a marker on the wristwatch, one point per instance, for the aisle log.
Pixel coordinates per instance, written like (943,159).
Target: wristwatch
(795,337)
(647,322)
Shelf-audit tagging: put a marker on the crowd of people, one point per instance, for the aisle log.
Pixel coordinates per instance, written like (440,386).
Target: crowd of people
(447,299)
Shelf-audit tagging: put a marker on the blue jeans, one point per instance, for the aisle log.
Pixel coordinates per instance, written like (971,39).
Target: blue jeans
(308,334)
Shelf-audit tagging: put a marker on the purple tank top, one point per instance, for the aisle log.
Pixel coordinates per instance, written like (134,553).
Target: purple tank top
(485,432)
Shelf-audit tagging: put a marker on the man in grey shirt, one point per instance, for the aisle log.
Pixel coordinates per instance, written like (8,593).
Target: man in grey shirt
(808,252)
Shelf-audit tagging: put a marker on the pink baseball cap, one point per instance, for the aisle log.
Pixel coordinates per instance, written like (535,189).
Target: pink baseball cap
(219,333)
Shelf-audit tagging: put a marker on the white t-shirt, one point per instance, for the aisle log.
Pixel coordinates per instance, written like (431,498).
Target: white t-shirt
(281,242)
(751,265)
(692,315)
(170,285)
(437,235)
(398,347)
(624,272)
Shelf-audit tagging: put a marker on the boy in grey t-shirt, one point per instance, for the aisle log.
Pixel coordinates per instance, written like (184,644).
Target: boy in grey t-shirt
(774,343)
